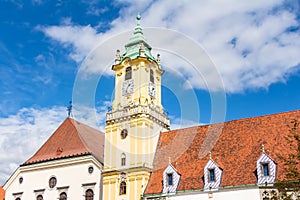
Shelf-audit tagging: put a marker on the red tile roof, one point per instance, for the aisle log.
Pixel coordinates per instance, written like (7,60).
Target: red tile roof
(2,193)
(235,146)
(72,138)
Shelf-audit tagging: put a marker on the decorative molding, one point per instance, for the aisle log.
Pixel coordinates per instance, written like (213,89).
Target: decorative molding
(88,184)
(62,188)
(39,190)
(17,193)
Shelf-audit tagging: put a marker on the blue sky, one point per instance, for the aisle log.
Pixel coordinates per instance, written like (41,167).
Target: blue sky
(249,61)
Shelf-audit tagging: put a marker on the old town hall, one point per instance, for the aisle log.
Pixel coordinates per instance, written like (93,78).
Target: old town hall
(139,157)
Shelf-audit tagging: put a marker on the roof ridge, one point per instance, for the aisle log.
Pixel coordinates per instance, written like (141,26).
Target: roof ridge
(233,120)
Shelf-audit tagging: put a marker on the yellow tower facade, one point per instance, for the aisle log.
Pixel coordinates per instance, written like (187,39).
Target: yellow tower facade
(135,121)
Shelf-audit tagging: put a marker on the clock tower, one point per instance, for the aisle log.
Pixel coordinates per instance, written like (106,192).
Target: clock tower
(135,121)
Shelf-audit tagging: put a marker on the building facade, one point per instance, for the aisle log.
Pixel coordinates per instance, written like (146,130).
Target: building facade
(67,166)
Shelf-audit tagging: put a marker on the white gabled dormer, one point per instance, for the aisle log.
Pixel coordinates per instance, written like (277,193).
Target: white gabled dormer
(171,179)
(212,175)
(266,169)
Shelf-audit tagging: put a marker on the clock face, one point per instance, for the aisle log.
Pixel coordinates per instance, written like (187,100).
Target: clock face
(151,89)
(127,87)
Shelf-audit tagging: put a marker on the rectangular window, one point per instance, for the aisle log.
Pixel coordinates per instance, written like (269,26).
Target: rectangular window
(170,179)
(123,161)
(265,167)
(211,175)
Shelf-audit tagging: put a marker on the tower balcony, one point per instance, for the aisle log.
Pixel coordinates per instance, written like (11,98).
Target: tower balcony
(137,111)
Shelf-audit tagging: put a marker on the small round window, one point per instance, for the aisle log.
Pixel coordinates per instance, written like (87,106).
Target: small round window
(21,180)
(91,169)
(124,133)
(52,182)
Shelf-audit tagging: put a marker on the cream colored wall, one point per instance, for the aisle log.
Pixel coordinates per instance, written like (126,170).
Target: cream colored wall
(142,115)
(139,146)
(71,173)
(135,185)
(141,76)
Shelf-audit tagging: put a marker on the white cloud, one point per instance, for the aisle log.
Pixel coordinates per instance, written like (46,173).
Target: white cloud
(247,41)
(22,134)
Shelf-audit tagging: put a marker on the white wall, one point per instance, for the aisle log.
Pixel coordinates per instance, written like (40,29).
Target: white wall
(242,194)
(71,173)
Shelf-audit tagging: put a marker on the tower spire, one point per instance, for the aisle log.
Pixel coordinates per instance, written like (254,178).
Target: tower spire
(132,48)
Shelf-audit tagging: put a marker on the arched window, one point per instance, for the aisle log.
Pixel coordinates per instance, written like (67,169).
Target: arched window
(63,196)
(128,73)
(39,197)
(52,182)
(123,159)
(18,198)
(151,76)
(89,194)
(123,187)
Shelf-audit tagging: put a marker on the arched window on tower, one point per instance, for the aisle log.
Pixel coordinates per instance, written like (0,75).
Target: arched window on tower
(128,73)
(89,194)
(123,159)
(151,76)
(39,197)
(63,196)
(123,187)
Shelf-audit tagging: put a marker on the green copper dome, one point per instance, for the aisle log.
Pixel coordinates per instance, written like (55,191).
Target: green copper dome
(137,43)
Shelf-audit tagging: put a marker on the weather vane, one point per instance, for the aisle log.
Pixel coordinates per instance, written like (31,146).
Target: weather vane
(69,109)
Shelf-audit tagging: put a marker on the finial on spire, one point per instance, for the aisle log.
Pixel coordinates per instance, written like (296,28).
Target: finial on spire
(118,57)
(169,159)
(138,17)
(210,155)
(263,148)
(158,59)
(69,109)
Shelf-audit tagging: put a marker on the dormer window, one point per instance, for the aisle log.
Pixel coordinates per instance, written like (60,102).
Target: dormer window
(266,169)
(128,73)
(170,178)
(211,175)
